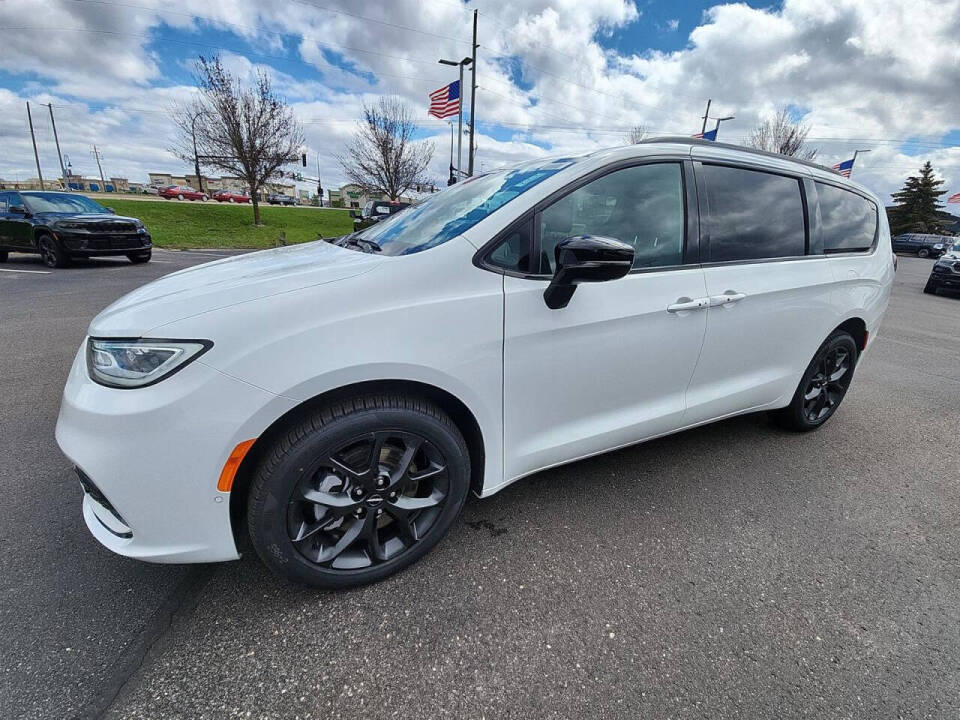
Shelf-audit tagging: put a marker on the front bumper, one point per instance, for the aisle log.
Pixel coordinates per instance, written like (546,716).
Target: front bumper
(155,454)
(104,244)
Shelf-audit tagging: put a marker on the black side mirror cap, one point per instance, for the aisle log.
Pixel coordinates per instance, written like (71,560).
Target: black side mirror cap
(586,258)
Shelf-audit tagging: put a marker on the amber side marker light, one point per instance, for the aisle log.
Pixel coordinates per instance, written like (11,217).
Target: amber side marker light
(232,464)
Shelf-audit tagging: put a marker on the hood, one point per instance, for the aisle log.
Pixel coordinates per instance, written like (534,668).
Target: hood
(227,282)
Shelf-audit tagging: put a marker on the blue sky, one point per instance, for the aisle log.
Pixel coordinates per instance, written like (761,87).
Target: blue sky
(555,76)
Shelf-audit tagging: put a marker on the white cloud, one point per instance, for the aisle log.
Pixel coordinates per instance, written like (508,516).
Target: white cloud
(859,71)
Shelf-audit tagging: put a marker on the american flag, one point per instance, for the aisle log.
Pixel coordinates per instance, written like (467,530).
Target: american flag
(710,135)
(844,167)
(445,101)
(954,198)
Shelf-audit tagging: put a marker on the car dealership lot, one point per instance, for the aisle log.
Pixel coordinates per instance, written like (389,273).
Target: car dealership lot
(730,571)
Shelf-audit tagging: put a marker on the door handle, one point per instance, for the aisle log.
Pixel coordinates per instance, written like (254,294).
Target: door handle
(728,297)
(685,304)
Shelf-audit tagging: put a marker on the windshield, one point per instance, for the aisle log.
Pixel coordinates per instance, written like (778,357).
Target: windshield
(58,203)
(458,208)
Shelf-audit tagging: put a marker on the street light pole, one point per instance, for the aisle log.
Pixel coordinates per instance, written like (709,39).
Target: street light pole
(461,63)
(33,138)
(473,98)
(63,171)
(854,161)
(716,130)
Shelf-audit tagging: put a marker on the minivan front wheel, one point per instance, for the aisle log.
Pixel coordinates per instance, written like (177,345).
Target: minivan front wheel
(923,252)
(358,490)
(823,385)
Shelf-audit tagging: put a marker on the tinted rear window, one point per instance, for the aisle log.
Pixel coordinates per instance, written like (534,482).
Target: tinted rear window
(753,215)
(848,220)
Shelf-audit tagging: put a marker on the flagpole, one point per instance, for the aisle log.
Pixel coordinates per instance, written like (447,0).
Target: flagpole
(460,124)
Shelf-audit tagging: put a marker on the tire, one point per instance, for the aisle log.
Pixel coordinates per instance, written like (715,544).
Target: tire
(52,255)
(140,257)
(180,197)
(821,390)
(923,252)
(203,198)
(230,200)
(3,256)
(316,513)
(930,288)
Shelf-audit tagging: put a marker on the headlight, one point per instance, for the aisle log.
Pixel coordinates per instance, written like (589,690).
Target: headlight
(138,363)
(67,225)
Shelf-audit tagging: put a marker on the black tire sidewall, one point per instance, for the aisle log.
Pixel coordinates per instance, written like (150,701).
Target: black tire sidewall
(272,490)
(836,340)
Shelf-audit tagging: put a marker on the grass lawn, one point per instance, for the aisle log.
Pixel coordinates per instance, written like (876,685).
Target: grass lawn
(175,224)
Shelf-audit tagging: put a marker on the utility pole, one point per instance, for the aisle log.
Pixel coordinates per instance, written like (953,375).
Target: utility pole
(705,114)
(319,186)
(103,183)
(63,170)
(36,156)
(473,99)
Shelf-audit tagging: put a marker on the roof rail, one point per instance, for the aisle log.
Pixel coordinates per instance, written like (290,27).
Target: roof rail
(685,140)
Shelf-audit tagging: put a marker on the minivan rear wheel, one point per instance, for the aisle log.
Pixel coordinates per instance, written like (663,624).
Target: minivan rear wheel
(823,385)
(358,490)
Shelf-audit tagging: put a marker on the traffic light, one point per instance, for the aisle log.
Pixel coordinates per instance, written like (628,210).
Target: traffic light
(303,159)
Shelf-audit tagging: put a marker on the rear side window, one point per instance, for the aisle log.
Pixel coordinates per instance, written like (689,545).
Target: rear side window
(3,202)
(848,220)
(753,215)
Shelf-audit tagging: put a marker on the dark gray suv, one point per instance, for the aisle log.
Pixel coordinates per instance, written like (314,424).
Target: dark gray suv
(922,244)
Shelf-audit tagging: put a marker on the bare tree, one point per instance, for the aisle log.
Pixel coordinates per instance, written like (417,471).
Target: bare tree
(383,157)
(780,134)
(243,130)
(637,134)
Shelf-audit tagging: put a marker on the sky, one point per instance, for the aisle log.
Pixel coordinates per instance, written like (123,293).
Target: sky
(554,76)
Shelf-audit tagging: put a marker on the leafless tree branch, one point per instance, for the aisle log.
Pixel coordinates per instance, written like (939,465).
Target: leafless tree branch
(780,134)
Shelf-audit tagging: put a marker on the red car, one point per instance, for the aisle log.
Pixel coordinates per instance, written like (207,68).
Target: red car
(230,196)
(181,192)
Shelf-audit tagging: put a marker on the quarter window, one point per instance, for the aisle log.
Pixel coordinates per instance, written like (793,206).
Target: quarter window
(513,251)
(3,202)
(848,220)
(641,206)
(753,215)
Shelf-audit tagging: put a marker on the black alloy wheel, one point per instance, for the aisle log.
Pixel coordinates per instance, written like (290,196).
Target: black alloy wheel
(368,501)
(358,491)
(923,252)
(52,254)
(823,385)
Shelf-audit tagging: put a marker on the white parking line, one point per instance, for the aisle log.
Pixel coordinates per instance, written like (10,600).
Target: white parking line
(197,252)
(32,272)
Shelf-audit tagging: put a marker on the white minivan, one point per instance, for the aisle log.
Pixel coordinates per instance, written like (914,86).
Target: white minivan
(338,400)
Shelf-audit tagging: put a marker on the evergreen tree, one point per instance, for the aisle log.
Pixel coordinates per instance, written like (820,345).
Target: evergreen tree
(917,204)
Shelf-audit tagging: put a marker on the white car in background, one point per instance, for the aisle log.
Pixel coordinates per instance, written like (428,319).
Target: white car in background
(338,400)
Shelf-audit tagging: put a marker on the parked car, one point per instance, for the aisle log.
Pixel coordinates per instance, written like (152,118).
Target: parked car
(281,200)
(181,192)
(922,244)
(61,225)
(374,212)
(522,319)
(945,273)
(231,197)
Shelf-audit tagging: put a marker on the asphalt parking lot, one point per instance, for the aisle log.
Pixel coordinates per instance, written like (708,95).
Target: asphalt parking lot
(733,571)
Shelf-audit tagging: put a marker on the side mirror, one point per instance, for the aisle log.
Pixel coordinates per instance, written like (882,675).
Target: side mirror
(586,258)
(17,210)
(111,211)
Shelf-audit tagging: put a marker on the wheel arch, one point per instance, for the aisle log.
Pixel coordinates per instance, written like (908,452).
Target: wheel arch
(857,327)
(458,411)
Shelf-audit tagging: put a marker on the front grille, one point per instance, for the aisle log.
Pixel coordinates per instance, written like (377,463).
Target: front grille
(111,227)
(130,242)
